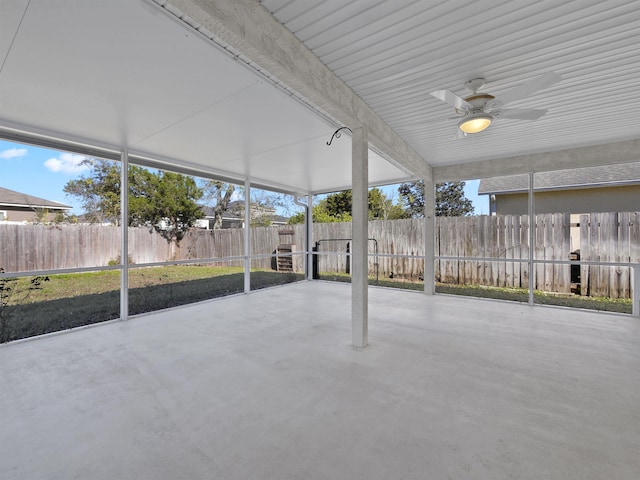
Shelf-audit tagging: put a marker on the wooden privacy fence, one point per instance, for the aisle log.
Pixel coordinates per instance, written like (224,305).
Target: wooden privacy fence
(50,247)
(501,241)
(603,237)
(609,237)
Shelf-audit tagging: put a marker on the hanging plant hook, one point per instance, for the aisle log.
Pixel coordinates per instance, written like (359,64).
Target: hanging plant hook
(337,134)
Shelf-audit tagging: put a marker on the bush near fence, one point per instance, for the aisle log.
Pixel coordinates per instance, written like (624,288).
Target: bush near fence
(605,237)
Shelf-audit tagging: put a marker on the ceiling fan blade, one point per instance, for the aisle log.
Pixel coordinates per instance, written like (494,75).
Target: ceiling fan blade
(521,113)
(452,99)
(527,88)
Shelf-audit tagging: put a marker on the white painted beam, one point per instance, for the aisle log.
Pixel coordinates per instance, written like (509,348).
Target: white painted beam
(596,155)
(247,236)
(309,237)
(429,237)
(359,235)
(124,235)
(247,29)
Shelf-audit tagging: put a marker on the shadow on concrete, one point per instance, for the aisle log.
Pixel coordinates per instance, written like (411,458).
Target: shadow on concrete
(28,320)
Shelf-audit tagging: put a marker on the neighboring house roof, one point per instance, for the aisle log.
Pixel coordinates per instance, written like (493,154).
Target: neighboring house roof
(11,198)
(235,211)
(588,177)
(227,215)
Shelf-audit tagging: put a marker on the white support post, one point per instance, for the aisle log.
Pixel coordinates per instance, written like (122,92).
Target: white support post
(247,236)
(635,291)
(359,260)
(124,235)
(429,237)
(532,238)
(309,224)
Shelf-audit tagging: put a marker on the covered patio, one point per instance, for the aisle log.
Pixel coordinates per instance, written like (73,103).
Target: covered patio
(267,386)
(314,379)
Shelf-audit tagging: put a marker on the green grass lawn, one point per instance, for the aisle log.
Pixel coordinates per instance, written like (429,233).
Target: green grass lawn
(72,300)
(618,305)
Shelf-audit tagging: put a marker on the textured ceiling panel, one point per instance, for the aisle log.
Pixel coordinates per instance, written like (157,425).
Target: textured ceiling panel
(124,73)
(393,53)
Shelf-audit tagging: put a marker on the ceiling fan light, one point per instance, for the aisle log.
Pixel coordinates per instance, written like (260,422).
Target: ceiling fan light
(475,123)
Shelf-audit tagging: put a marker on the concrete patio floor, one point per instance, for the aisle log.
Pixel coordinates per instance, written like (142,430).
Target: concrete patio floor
(267,386)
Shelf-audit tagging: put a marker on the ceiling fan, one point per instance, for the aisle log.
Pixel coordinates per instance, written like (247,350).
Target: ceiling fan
(478,110)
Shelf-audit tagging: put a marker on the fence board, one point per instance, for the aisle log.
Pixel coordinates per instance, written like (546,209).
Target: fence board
(562,240)
(594,254)
(509,266)
(539,268)
(585,253)
(500,251)
(623,254)
(634,240)
(603,237)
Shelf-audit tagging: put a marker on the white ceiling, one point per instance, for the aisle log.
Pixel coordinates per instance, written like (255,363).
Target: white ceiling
(393,53)
(125,73)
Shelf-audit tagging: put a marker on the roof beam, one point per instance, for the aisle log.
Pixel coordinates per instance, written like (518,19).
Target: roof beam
(246,28)
(593,156)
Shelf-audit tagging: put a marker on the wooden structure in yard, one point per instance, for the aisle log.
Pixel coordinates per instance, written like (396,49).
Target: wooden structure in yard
(286,246)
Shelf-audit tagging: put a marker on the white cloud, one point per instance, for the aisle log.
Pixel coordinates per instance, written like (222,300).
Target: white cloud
(67,163)
(13,153)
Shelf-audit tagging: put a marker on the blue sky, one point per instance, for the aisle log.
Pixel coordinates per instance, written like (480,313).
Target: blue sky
(44,173)
(39,172)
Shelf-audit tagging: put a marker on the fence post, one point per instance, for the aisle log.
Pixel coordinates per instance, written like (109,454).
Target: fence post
(532,239)
(316,271)
(348,260)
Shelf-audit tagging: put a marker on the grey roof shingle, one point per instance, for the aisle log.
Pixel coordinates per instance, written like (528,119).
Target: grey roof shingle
(609,175)
(18,199)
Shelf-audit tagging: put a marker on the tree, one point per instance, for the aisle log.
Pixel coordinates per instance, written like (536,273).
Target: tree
(383,208)
(99,192)
(337,208)
(164,201)
(337,205)
(450,199)
(217,195)
(41,215)
(319,215)
(412,195)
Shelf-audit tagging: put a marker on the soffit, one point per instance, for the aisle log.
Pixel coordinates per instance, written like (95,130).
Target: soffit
(393,53)
(126,74)
(123,73)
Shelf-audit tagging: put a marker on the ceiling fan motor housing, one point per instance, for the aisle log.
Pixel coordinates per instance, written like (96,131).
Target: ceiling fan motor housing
(478,100)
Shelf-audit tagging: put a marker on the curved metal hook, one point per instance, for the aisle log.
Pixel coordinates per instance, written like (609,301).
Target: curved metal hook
(336,134)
